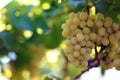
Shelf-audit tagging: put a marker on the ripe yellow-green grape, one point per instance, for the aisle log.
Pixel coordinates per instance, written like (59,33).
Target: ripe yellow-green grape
(83,16)
(76,21)
(77,47)
(115,26)
(117,35)
(83,24)
(76,53)
(105,41)
(99,23)
(100,16)
(92,17)
(92,36)
(86,30)
(101,31)
(84,33)
(90,23)
(80,37)
(112,38)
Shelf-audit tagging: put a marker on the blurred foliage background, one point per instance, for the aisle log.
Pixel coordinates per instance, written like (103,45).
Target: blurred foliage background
(31,44)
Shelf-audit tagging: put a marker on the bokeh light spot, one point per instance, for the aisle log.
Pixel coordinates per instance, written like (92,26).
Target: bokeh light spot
(52,55)
(8,27)
(46,6)
(27,34)
(2,27)
(39,31)
(5,60)
(12,56)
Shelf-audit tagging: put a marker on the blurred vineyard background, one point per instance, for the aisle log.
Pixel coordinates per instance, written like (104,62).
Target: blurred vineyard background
(31,44)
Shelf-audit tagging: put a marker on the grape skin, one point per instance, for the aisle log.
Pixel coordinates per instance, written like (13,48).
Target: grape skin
(84,32)
(80,37)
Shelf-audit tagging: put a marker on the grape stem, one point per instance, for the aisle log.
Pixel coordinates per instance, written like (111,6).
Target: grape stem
(81,74)
(87,7)
(95,62)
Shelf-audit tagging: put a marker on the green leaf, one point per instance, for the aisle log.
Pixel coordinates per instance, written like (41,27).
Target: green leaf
(9,40)
(102,69)
(103,7)
(22,22)
(24,56)
(53,39)
(114,14)
(35,39)
(41,23)
(13,5)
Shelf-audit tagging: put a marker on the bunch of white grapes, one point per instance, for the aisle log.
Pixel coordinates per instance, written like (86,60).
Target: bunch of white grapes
(84,32)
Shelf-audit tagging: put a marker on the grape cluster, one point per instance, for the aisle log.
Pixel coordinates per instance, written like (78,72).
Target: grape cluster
(85,32)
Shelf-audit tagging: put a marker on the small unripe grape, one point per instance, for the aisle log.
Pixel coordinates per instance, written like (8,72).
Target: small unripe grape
(105,41)
(90,23)
(80,37)
(70,57)
(112,38)
(92,17)
(115,26)
(117,34)
(82,51)
(76,21)
(72,15)
(73,41)
(76,53)
(83,16)
(101,31)
(84,63)
(86,30)
(77,47)
(92,36)
(83,24)
(99,23)
(100,16)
